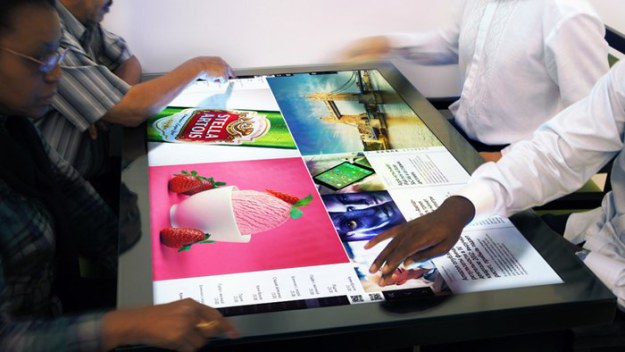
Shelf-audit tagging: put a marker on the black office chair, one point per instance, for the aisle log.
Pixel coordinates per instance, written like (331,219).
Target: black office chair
(616,40)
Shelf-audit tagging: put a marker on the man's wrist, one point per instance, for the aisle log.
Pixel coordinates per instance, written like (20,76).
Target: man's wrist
(461,207)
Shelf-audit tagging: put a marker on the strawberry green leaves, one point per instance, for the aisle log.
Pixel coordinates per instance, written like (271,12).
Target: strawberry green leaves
(296,212)
(189,183)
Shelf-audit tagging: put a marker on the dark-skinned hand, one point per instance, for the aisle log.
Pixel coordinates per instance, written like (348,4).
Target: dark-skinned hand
(423,238)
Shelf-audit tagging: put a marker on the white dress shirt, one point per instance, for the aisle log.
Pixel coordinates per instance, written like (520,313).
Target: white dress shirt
(521,62)
(560,157)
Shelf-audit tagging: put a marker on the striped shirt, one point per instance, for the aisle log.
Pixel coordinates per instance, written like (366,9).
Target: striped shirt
(30,315)
(87,90)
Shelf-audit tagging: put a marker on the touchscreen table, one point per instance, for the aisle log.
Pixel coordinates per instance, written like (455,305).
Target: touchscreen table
(263,191)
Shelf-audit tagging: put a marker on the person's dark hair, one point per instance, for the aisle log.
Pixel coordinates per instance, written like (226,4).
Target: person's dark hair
(8,8)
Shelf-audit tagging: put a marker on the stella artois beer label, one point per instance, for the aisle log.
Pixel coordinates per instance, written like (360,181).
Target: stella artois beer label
(212,126)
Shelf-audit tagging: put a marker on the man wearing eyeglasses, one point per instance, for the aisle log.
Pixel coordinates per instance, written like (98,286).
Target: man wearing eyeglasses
(46,63)
(100,85)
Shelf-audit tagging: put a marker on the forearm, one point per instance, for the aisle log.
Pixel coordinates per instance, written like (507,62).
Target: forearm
(130,71)
(116,330)
(150,97)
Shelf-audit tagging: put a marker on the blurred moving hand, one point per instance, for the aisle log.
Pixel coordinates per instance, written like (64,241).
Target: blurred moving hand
(214,68)
(367,49)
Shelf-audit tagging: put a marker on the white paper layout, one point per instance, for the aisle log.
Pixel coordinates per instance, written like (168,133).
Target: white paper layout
(417,167)
(265,286)
(494,258)
(416,202)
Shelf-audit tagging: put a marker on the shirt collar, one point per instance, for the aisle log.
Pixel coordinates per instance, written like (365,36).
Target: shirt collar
(70,23)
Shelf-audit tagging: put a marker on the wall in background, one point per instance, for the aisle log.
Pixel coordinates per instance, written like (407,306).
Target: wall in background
(612,12)
(260,33)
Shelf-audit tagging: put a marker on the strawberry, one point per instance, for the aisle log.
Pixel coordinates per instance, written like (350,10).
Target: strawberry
(183,183)
(199,186)
(190,183)
(289,198)
(297,203)
(182,237)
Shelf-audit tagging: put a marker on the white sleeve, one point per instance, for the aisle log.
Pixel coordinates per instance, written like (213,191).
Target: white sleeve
(431,48)
(577,41)
(563,154)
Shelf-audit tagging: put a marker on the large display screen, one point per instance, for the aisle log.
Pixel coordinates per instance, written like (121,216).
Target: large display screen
(264,190)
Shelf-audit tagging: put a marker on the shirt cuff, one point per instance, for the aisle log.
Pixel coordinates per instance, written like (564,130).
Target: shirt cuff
(482,197)
(606,269)
(85,334)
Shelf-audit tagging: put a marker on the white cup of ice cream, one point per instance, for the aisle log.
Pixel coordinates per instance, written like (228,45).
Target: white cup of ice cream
(210,211)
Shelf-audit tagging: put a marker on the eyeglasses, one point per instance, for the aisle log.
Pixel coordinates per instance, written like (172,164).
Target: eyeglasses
(46,64)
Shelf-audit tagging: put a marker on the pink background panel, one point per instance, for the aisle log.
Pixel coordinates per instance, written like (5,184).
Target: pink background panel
(307,241)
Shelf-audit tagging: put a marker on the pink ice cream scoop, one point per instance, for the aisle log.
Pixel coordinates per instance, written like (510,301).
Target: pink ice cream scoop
(258,211)
(231,215)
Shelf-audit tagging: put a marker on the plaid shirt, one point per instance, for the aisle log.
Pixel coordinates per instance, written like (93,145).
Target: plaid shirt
(88,88)
(30,317)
